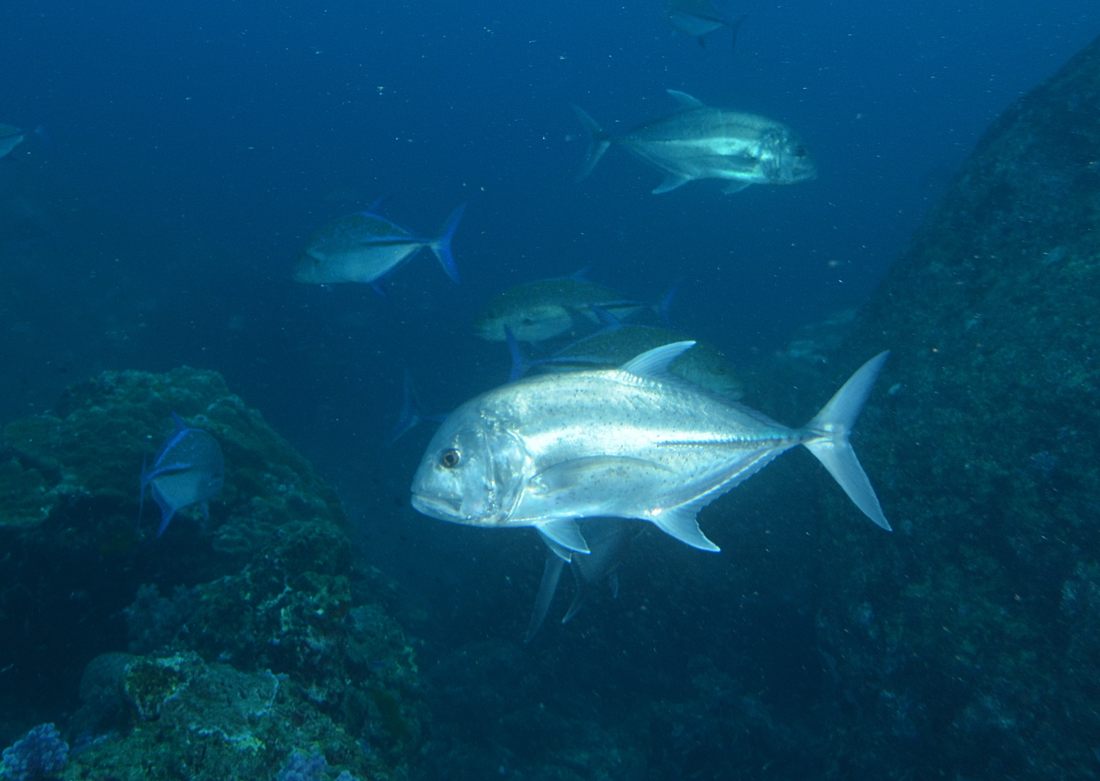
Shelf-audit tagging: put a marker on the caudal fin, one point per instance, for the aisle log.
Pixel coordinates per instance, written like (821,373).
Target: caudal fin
(598,142)
(442,246)
(827,438)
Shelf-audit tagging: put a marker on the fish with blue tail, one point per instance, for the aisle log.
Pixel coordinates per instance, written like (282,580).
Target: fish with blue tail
(550,450)
(411,413)
(365,246)
(188,470)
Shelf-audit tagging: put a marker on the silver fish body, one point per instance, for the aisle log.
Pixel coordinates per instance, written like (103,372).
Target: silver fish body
(702,142)
(622,443)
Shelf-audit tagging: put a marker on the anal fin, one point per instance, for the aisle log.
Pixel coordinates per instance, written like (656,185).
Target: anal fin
(681,523)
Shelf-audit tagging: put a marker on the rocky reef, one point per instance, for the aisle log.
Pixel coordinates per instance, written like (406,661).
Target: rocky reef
(967,645)
(216,650)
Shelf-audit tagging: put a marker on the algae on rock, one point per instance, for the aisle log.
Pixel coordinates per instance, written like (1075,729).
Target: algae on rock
(984,454)
(263,593)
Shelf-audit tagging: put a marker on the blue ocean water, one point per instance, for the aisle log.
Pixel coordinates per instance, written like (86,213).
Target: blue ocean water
(188,151)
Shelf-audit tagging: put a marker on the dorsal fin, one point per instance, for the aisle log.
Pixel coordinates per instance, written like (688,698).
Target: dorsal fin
(685,100)
(656,361)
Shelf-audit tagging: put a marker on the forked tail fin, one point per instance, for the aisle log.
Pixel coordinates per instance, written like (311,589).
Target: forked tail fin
(598,142)
(442,246)
(827,438)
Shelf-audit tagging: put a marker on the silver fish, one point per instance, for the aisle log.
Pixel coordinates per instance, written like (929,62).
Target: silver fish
(10,138)
(700,142)
(549,450)
(365,246)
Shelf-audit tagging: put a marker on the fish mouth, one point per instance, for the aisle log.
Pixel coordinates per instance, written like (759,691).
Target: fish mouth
(436,507)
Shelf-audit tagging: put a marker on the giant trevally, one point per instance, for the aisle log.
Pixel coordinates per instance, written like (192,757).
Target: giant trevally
(540,310)
(364,246)
(189,469)
(10,138)
(701,142)
(553,449)
(698,18)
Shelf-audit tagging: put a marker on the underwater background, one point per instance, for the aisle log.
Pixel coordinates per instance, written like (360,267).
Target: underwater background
(178,159)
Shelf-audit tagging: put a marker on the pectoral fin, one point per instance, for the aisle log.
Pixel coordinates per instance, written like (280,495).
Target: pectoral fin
(579,473)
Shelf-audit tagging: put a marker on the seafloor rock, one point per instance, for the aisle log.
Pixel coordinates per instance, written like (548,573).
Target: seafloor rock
(966,645)
(265,586)
(210,721)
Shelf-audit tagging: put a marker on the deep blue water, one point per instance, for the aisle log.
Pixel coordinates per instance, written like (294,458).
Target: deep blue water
(188,150)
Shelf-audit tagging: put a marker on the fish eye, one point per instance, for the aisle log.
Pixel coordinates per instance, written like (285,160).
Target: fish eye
(800,151)
(450,458)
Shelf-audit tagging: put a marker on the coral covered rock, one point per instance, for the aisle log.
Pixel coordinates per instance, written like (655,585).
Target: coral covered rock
(265,586)
(967,640)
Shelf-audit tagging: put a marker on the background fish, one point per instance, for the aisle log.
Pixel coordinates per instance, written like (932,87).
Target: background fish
(622,443)
(536,311)
(703,365)
(701,142)
(10,138)
(365,246)
(188,470)
(698,18)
